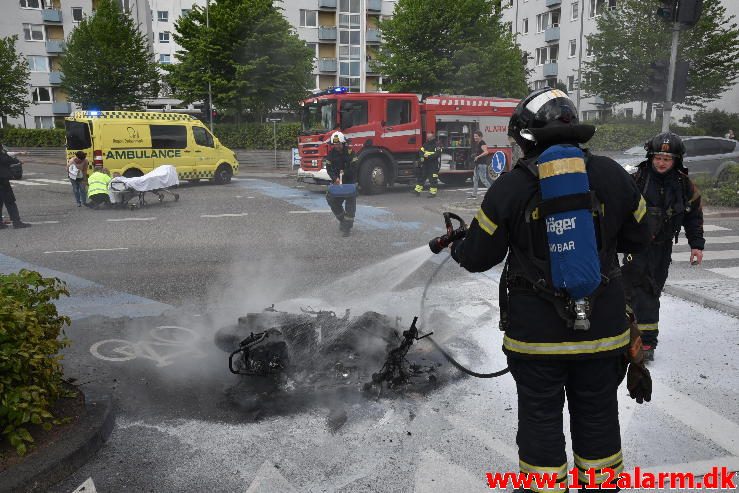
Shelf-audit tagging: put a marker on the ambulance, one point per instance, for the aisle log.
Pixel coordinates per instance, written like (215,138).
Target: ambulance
(133,143)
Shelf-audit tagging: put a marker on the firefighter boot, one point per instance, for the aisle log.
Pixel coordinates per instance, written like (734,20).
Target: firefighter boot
(417,191)
(648,353)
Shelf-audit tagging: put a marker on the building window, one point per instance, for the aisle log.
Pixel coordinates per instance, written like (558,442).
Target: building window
(525,26)
(32,4)
(125,7)
(45,122)
(162,15)
(588,48)
(542,20)
(34,32)
(570,82)
(185,12)
(572,51)
(41,95)
(597,7)
(313,47)
(629,112)
(351,6)
(165,58)
(77,14)
(164,37)
(308,18)
(554,18)
(38,63)
(547,54)
(575,12)
(540,84)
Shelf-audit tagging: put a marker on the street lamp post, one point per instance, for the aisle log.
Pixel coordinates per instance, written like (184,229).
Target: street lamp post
(210,93)
(274,134)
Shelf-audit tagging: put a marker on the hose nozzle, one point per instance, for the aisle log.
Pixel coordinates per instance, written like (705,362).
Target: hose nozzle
(441,242)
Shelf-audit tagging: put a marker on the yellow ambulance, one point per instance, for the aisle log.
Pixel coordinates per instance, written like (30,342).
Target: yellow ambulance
(133,143)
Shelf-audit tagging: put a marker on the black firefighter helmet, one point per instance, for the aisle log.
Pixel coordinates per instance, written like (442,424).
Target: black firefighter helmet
(668,143)
(540,118)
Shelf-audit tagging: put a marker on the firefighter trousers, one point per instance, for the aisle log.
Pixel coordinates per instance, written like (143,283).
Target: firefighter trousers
(344,208)
(644,276)
(591,389)
(429,170)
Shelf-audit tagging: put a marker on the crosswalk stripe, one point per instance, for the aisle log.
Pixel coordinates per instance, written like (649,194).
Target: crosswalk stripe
(713,227)
(47,180)
(707,256)
(310,212)
(721,239)
(732,272)
(241,214)
(26,183)
(131,219)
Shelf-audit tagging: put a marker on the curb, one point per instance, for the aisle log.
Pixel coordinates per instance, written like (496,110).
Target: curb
(695,297)
(69,453)
(712,215)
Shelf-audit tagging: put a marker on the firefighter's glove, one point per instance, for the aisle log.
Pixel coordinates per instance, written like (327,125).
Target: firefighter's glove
(639,383)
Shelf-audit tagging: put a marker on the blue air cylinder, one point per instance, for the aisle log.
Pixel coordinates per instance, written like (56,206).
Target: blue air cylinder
(573,247)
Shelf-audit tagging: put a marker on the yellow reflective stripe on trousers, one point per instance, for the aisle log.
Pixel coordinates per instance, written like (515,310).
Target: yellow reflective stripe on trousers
(641,209)
(569,347)
(485,223)
(560,473)
(644,327)
(615,462)
(599,463)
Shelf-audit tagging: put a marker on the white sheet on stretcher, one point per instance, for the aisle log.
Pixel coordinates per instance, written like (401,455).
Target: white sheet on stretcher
(164,176)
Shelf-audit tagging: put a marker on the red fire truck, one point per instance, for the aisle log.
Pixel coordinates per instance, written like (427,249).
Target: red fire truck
(386,131)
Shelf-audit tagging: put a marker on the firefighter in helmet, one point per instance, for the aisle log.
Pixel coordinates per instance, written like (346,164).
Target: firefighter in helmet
(341,165)
(547,357)
(430,162)
(673,202)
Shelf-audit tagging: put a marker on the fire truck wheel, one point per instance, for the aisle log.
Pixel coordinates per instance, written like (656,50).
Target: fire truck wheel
(373,176)
(454,180)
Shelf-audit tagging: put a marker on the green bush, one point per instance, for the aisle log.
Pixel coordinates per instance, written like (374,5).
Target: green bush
(30,369)
(716,122)
(258,135)
(723,191)
(620,136)
(32,137)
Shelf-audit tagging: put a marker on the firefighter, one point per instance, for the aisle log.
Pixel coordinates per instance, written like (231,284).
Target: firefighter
(341,165)
(547,358)
(673,202)
(430,161)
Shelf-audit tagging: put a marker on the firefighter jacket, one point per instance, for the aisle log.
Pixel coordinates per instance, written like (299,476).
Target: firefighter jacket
(673,202)
(535,329)
(97,184)
(430,152)
(345,160)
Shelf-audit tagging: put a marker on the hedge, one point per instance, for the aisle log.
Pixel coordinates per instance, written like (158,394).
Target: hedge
(621,136)
(723,191)
(258,135)
(32,137)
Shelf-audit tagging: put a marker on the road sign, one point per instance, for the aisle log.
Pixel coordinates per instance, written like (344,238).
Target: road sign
(497,165)
(296,157)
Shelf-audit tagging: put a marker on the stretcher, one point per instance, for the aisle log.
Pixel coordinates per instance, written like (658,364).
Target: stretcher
(123,191)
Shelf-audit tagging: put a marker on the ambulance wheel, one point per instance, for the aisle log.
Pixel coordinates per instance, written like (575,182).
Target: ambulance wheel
(223,174)
(132,173)
(373,176)
(193,180)
(454,180)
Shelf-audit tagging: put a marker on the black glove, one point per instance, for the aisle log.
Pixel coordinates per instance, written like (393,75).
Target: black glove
(639,383)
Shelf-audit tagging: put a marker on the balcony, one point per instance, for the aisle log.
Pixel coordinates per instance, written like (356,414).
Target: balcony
(55,78)
(551,34)
(54,46)
(327,33)
(374,67)
(373,36)
(327,65)
(550,69)
(552,3)
(598,101)
(63,108)
(374,5)
(326,4)
(51,15)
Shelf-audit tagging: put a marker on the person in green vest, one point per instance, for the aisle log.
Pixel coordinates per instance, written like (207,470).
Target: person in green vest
(97,188)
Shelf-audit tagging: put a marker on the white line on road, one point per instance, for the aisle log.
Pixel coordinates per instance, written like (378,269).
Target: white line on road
(90,250)
(708,255)
(131,219)
(87,487)
(56,182)
(727,271)
(322,211)
(241,214)
(26,182)
(43,222)
(713,227)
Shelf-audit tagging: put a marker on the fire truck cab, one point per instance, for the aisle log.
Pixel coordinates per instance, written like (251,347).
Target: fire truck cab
(386,130)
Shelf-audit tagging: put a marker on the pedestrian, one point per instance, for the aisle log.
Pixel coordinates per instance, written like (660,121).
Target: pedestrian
(77,172)
(730,135)
(341,165)
(7,197)
(97,188)
(547,357)
(481,160)
(430,162)
(673,202)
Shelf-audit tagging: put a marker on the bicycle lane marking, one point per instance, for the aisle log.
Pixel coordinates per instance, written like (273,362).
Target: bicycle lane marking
(87,298)
(162,350)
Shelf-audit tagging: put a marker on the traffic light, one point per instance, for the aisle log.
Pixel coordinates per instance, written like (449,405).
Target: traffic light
(667,11)
(657,87)
(689,11)
(680,85)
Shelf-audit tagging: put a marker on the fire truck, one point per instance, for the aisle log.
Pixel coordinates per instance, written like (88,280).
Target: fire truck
(386,130)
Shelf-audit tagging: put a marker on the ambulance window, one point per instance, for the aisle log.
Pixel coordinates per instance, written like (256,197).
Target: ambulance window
(78,135)
(202,137)
(168,136)
(398,111)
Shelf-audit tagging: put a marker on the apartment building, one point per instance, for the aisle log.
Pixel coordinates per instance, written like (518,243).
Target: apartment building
(42,27)
(345,37)
(555,33)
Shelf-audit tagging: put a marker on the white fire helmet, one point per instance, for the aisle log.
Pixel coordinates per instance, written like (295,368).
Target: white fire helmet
(337,138)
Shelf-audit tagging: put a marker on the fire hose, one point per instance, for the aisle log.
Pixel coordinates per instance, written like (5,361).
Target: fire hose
(437,245)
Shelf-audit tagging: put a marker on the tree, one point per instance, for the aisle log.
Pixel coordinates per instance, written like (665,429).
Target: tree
(631,37)
(249,53)
(451,46)
(107,63)
(13,79)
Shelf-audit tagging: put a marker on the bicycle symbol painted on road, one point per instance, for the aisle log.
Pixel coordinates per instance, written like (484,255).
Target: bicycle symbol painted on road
(166,344)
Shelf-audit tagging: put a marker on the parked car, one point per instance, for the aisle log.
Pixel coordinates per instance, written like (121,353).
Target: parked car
(703,155)
(16,170)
